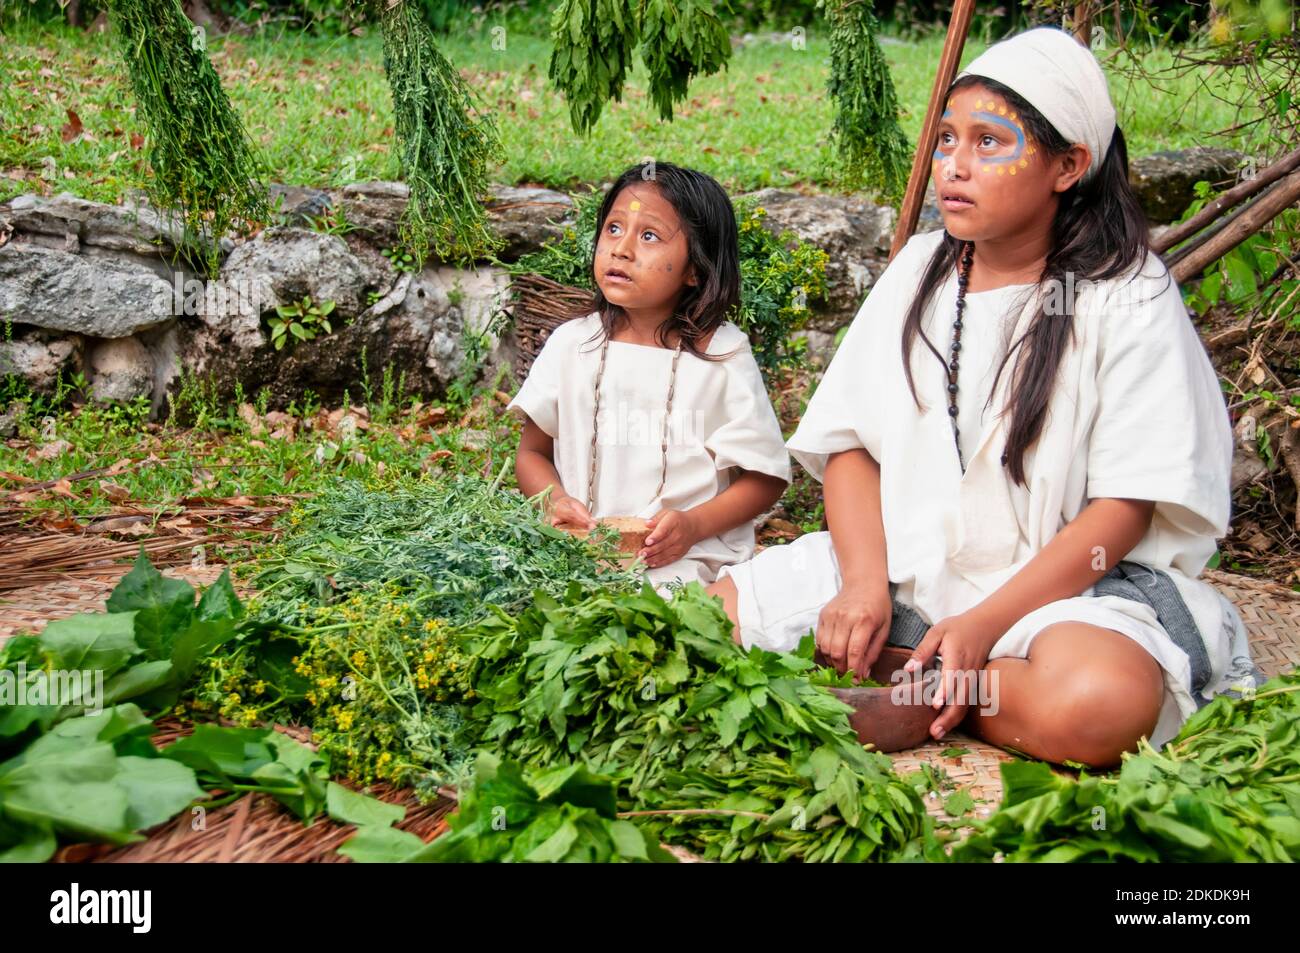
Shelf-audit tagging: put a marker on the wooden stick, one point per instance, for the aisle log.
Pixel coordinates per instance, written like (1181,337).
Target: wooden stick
(1290,447)
(1082,22)
(1226,200)
(1244,223)
(949,60)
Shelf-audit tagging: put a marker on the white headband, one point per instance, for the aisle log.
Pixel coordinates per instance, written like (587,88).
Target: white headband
(1058,76)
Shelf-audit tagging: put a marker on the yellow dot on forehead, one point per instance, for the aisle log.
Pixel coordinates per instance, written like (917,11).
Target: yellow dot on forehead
(1002,110)
(979,103)
(635,205)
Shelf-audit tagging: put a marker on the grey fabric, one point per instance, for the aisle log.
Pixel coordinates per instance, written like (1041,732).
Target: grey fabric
(1128,580)
(906,628)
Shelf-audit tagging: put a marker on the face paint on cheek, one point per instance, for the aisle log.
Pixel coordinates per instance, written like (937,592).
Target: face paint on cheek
(990,111)
(938,154)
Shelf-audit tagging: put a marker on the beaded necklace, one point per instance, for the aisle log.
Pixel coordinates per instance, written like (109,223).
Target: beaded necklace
(963,276)
(595,418)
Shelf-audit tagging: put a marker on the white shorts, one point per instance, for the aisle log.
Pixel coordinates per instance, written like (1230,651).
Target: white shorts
(782,590)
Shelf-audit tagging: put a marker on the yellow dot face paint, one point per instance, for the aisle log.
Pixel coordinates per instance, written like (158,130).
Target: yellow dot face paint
(991,112)
(996,114)
(634,205)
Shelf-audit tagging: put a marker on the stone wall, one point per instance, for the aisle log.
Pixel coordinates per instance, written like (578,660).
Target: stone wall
(98,289)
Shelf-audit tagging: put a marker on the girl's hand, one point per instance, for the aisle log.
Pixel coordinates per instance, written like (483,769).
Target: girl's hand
(672,533)
(852,627)
(964,642)
(567,510)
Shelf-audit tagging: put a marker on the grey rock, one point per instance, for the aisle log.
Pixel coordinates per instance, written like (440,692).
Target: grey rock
(1165,181)
(120,369)
(39,357)
(441,304)
(298,204)
(854,232)
(526,218)
(414,332)
(65,220)
(284,265)
(375,209)
(99,297)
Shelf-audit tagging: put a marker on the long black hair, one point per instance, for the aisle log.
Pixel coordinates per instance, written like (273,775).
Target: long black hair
(1099,232)
(712,244)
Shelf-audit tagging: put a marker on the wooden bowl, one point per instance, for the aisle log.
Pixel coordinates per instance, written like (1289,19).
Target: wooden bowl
(894,717)
(632,533)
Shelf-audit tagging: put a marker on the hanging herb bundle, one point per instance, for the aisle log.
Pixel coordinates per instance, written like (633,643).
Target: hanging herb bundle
(591,52)
(205,169)
(593,42)
(446,146)
(873,153)
(680,38)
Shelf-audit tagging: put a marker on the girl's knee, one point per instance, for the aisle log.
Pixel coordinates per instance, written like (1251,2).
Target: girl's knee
(1097,713)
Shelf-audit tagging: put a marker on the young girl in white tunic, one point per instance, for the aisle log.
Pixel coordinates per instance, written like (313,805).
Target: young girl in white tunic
(1023,446)
(653,406)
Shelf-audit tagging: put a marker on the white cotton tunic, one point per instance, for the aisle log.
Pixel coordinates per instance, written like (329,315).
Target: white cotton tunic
(1137,413)
(722,422)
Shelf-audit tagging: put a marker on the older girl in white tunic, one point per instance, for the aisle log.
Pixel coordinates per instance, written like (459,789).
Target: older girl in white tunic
(1022,443)
(653,406)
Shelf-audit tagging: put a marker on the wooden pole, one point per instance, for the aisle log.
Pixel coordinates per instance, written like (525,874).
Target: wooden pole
(1082,22)
(1243,223)
(1229,199)
(949,60)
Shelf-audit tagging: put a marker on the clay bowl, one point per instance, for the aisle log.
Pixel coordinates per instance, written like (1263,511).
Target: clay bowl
(894,717)
(632,533)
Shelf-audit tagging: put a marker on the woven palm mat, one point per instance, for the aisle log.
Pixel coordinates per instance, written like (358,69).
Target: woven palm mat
(29,609)
(257,828)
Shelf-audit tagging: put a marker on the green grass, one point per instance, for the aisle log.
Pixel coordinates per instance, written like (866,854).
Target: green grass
(209,449)
(319,110)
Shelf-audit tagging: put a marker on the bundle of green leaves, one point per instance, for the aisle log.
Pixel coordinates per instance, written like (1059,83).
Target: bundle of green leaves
(458,543)
(680,39)
(869,142)
(592,45)
(731,753)
(205,168)
(447,141)
(355,622)
(76,759)
(562,815)
(1226,789)
(89,777)
(145,648)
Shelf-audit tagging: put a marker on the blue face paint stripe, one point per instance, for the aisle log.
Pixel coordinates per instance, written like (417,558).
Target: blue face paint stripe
(939,156)
(1008,124)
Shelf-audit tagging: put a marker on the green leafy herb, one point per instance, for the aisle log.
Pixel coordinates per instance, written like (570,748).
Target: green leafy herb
(732,753)
(1227,789)
(567,814)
